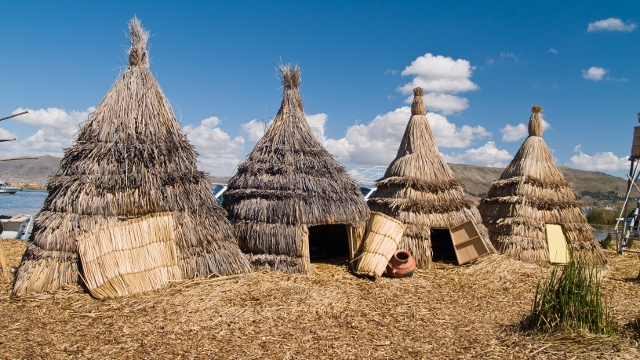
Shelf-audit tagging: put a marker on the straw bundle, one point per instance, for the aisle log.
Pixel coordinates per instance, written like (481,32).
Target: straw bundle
(381,241)
(130,159)
(419,189)
(3,262)
(130,257)
(531,193)
(288,183)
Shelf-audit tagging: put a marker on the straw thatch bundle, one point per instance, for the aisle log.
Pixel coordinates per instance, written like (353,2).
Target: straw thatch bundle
(419,189)
(3,261)
(288,183)
(130,159)
(531,193)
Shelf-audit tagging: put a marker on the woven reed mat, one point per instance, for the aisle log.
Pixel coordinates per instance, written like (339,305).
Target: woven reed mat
(130,257)
(381,241)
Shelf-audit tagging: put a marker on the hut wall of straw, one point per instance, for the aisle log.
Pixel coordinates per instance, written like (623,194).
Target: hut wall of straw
(531,193)
(130,159)
(419,189)
(288,183)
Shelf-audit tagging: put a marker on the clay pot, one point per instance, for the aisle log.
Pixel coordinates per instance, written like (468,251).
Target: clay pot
(401,264)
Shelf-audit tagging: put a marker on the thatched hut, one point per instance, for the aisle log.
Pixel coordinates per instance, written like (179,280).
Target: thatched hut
(291,198)
(419,189)
(130,167)
(531,194)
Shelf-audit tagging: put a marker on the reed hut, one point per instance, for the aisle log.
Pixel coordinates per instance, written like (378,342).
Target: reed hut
(530,195)
(130,167)
(290,199)
(419,190)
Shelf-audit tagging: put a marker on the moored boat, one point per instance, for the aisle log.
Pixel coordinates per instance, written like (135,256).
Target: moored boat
(15,227)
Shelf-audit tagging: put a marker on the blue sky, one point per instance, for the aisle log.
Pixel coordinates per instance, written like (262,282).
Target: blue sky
(484,64)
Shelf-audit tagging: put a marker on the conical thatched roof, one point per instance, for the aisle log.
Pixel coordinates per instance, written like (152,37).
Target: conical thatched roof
(289,182)
(130,160)
(419,189)
(531,193)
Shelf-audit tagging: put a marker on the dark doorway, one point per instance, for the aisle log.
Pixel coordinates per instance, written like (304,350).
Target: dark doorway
(442,246)
(328,241)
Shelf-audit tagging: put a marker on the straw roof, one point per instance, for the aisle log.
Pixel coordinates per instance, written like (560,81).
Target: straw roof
(288,182)
(531,193)
(419,189)
(130,159)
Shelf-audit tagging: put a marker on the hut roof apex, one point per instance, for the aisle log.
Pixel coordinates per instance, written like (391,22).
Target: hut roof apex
(138,36)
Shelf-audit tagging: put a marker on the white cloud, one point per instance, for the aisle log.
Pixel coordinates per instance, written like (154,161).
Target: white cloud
(507,56)
(391,71)
(376,143)
(440,77)
(553,51)
(254,129)
(594,73)
(57,130)
(219,153)
(512,133)
(598,162)
(611,24)
(486,155)
(316,123)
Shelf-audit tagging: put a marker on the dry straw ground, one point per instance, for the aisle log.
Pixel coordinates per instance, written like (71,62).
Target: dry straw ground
(448,312)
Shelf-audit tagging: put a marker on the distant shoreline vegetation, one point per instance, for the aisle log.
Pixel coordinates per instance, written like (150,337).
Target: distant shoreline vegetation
(30,186)
(602,216)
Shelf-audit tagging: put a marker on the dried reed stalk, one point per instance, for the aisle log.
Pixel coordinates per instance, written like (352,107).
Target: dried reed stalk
(3,262)
(130,257)
(288,182)
(130,159)
(419,189)
(381,241)
(531,193)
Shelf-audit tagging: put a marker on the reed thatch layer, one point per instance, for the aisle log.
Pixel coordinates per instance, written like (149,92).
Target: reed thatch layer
(531,193)
(419,189)
(130,159)
(3,262)
(288,182)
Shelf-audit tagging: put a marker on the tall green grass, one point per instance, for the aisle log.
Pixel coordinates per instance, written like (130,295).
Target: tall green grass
(570,299)
(602,217)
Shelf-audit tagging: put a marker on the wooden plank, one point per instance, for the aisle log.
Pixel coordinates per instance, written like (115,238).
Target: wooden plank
(558,252)
(470,250)
(467,243)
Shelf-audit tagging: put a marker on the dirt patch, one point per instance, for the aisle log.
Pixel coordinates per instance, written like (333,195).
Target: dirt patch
(448,312)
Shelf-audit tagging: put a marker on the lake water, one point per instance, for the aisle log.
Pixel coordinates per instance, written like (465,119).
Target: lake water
(30,202)
(27,202)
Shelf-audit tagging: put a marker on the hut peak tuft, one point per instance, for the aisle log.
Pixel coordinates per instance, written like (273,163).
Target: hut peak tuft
(535,121)
(138,36)
(417,108)
(290,76)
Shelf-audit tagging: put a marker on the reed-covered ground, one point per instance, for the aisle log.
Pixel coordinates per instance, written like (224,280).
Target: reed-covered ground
(449,312)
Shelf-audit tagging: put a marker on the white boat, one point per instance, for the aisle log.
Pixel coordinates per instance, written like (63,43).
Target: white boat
(16,227)
(6,189)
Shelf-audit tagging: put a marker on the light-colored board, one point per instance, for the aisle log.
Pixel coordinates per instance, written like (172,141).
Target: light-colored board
(467,242)
(558,251)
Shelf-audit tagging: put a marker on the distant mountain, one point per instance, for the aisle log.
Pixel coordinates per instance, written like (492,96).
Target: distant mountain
(477,179)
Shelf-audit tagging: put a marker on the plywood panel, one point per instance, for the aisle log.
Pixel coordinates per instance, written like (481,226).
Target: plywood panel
(558,252)
(464,232)
(467,242)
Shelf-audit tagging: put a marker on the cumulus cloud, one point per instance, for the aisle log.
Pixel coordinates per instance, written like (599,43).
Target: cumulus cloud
(611,24)
(56,130)
(512,133)
(377,142)
(599,162)
(254,129)
(219,153)
(594,73)
(486,155)
(440,77)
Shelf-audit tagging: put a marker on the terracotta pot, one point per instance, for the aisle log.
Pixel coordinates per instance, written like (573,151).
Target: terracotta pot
(401,264)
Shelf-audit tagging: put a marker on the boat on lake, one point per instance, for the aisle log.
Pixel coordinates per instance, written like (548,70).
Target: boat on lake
(15,227)
(6,189)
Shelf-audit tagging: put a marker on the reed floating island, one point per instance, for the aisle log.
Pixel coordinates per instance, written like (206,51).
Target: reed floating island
(531,194)
(291,197)
(129,191)
(419,190)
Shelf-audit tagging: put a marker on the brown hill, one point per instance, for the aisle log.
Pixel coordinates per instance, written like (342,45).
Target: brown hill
(30,171)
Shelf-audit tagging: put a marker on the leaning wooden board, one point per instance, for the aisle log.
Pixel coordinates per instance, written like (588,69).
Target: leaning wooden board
(467,243)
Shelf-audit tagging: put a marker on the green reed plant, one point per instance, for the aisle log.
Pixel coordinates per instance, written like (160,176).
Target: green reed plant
(602,217)
(570,299)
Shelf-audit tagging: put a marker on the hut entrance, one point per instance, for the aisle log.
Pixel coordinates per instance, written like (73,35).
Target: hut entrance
(442,246)
(328,241)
